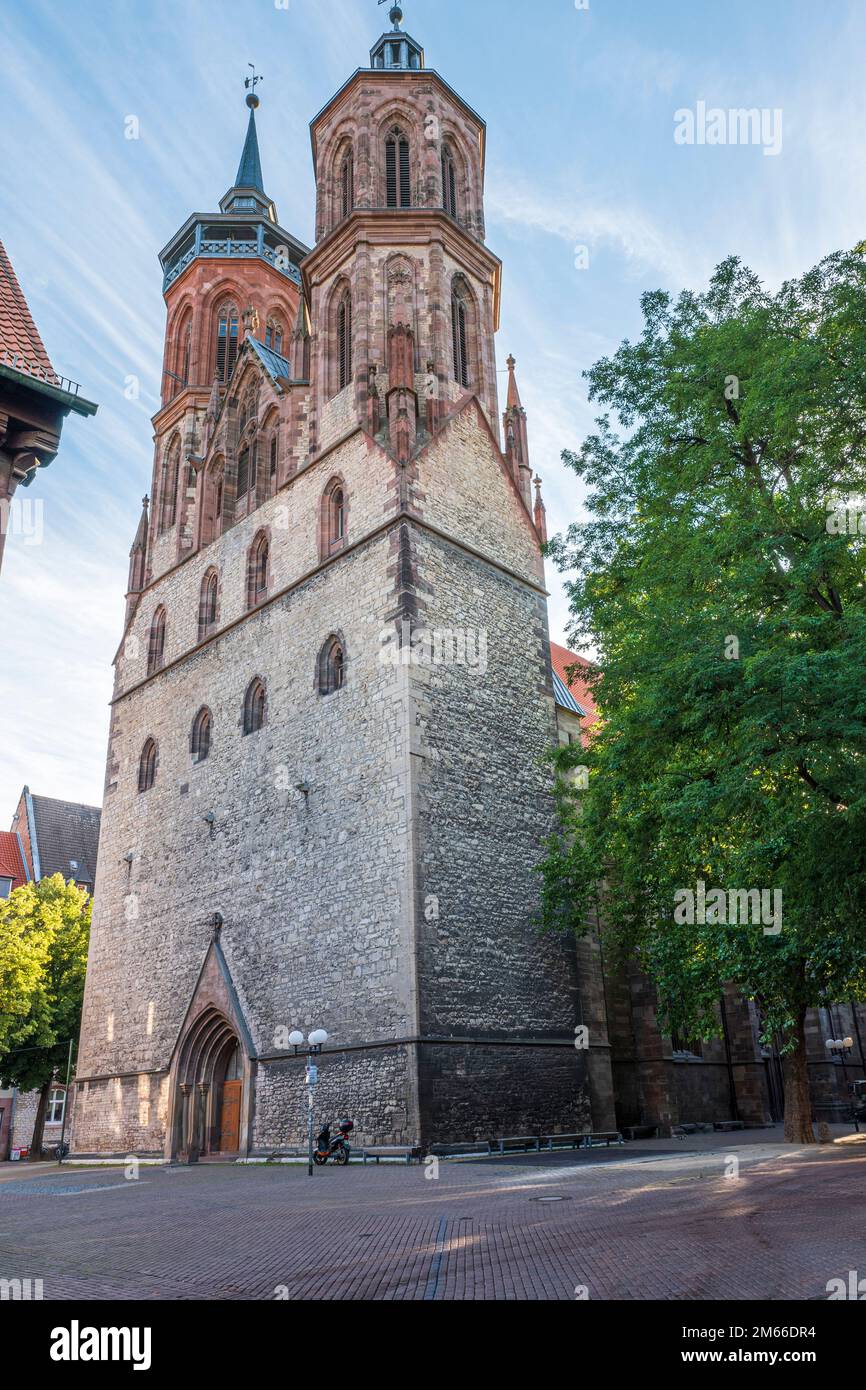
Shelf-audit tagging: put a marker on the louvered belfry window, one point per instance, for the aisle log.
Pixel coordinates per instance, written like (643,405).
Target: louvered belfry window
(347,182)
(227,342)
(243,472)
(449,184)
(458,329)
(344,340)
(398,183)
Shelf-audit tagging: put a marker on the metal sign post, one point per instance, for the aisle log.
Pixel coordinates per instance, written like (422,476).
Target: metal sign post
(312,1078)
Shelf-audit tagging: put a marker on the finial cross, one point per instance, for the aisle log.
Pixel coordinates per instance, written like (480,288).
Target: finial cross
(252,82)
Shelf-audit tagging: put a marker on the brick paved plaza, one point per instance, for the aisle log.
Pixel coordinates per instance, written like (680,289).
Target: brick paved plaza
(646,1222)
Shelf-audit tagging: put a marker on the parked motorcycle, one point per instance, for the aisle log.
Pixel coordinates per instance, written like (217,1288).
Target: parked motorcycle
(337,1148)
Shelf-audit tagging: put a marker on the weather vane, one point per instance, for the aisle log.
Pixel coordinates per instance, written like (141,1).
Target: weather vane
(252,83)
(396,13)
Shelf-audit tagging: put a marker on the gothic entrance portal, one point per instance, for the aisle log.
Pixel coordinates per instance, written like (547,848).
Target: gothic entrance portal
(209,1090)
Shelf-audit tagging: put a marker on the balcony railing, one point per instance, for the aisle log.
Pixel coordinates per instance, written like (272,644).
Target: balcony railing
(208,249)
(37,371)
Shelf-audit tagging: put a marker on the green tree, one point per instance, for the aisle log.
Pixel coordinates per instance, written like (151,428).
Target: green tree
(720,578)
(44,931)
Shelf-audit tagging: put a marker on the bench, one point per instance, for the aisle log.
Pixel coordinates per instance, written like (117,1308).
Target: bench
(564,1141)
(409,1152)
(725,1126)
(519,1143)
(640,1131)
(604,1136)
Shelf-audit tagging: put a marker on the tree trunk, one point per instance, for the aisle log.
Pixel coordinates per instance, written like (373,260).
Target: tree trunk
(35,1153)
(798,1096)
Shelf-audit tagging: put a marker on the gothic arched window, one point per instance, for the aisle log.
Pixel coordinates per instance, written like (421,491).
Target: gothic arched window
(274,334)
(168,486)
(274,454)
(460,318)
(449,183)
(333,518)
(347,183)
(200,740)
(147,766)
(398,178)
(207,604)
(156,643)
(227,341)
(182,356)
(332,667)
(255,707)
(257,570)
(344,340)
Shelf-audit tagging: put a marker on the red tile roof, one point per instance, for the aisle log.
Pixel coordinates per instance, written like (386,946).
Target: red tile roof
(11,861)
(563,661)
(18,333)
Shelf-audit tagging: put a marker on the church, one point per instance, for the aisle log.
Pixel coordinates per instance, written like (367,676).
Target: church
(302,829)
(299,830)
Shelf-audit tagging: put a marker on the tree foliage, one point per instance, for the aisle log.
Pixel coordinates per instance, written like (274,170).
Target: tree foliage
(44,932)
(720,577)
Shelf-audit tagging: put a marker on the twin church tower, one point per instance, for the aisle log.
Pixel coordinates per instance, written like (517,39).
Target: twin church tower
(307,825)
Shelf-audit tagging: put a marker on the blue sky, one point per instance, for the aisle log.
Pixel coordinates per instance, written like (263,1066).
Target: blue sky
(580,108)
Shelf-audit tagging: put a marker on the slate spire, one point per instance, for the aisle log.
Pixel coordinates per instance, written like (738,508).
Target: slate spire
(250,168)
(247,193)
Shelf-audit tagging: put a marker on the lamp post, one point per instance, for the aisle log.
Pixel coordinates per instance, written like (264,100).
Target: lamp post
(839,1047)
(315,1043)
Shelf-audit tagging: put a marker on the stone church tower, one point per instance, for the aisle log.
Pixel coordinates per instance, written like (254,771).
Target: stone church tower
(324,796)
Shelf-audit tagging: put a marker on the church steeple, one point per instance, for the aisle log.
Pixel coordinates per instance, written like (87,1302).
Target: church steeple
(249,173)
(248,190)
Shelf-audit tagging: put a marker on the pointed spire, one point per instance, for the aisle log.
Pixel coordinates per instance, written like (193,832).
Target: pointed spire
(250,168)
(516,438)
(513,393)
(247,193)
(141,534)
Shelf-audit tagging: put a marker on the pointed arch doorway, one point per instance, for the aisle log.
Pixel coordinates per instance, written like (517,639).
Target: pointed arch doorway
(211,1088)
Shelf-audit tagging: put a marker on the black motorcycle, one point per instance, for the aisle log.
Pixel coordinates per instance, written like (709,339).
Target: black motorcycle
(337,1148)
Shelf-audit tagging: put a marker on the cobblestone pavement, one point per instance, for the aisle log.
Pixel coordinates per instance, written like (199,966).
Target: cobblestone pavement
(638,1223)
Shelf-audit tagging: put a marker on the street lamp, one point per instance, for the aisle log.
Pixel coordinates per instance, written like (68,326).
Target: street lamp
(315,1042)
(839,1047)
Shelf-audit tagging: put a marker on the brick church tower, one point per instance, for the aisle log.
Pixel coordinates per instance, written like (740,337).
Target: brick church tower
(324,795)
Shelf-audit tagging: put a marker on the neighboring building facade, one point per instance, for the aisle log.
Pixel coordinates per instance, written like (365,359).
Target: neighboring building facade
(58,837)
(34,399)
(316,815)
(47,837)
